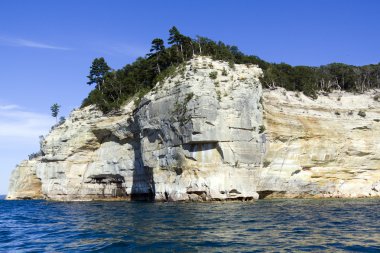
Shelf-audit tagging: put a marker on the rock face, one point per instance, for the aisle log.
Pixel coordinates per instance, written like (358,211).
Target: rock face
(329,147)
(208,132)
(194,137)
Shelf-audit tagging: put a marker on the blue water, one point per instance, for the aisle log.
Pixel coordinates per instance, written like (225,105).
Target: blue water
(265,225)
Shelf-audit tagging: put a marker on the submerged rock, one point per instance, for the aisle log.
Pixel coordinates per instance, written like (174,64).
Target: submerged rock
(200,136)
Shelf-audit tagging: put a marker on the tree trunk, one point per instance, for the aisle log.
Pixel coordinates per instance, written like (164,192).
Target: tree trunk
(158,65)
(183,59)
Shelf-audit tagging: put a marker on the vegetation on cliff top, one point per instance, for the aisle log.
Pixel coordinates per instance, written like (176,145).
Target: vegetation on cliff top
(115,87)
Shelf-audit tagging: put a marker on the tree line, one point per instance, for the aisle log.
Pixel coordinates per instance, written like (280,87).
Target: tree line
(115,87)
(334,76)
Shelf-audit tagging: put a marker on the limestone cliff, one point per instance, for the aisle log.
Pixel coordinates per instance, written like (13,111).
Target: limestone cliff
(199,135)
(329,147)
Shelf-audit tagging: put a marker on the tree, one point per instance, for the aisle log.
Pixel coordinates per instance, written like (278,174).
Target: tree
(62,120)
(187,43)
(157,50)
(98,71)
(55,110)
(175,37)
(114,88)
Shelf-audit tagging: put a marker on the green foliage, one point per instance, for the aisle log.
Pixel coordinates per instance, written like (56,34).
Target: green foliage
(219,95)
(261,129)
(98,71)
(35,155)
(362,114)
(266,163)
(231,64)
(167,73)
(157,46)
(157,50)
(188,97)
(39,153)
(55,110)
(114,88)
(140,95)
(62,120)
(309,80)
(213,75)
(224,72)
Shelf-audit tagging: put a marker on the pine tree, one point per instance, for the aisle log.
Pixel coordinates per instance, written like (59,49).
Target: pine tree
(176,38)
(157,50)
(55,110)
(98,71)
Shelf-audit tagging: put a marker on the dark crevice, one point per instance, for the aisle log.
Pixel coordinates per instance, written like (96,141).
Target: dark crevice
(266,194)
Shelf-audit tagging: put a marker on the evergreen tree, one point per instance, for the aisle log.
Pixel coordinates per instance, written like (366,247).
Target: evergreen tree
(176,38)
(135,79)
(55,111)
(98,71)
(157,50)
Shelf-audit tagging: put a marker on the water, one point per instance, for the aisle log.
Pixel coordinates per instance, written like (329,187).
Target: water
(265,225)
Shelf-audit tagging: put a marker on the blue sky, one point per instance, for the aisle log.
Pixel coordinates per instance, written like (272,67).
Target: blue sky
(46,47)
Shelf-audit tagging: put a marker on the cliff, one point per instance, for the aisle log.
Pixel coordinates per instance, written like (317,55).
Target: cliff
(209,132)
(328,147)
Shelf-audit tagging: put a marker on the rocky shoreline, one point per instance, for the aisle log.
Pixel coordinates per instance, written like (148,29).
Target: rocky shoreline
(208,133)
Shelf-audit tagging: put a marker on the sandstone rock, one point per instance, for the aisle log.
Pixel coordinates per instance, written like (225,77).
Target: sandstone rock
(24,183)
(321,147)
(196,138)
(191,138)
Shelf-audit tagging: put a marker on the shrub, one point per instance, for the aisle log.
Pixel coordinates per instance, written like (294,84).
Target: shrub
(231,64)
(34,155)
(224,72)
(337,113)
(62,120)
(115,87)
(139,96)
(362,114)
(266,163)
(213,75)
(188,97)
(261,129)
(219,95)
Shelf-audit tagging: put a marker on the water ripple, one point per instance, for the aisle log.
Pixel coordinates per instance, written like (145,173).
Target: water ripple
(267,225)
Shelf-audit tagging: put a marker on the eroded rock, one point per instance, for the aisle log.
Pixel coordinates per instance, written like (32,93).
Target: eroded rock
(199,138)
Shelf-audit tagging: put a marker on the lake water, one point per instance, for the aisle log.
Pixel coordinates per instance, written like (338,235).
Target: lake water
(261,226)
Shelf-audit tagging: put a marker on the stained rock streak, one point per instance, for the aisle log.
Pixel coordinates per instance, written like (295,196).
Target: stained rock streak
(197,138)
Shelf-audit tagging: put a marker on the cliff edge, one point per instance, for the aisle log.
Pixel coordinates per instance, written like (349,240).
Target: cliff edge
(209,132)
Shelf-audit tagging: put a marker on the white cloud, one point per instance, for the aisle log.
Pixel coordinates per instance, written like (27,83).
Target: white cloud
(16,122)
(19,131)
(16,42)
(8,107)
